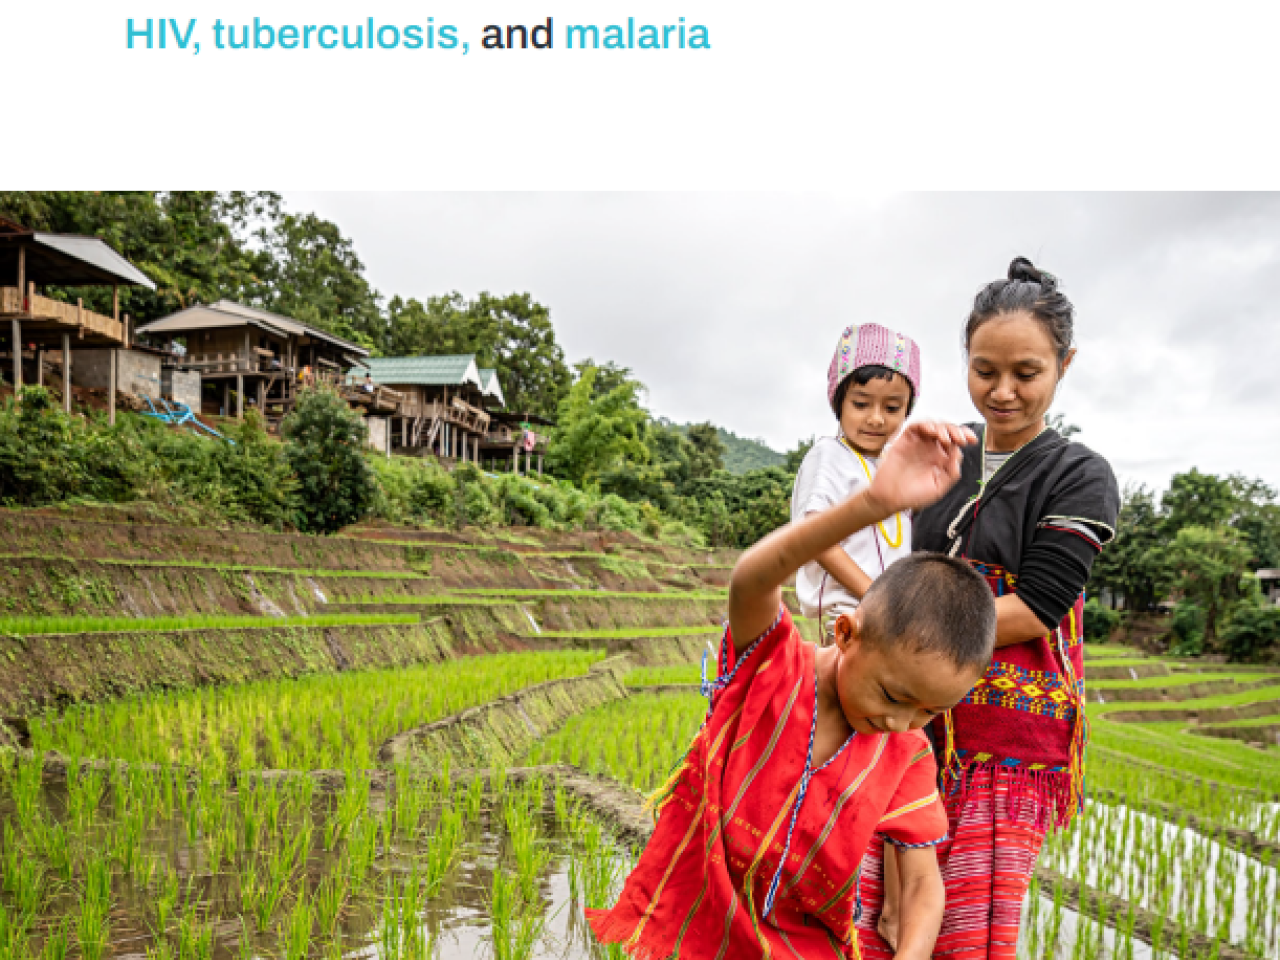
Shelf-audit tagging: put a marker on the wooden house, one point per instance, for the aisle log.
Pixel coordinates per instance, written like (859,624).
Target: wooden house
(513,436)
(251,356)
(31,261)
(445,403)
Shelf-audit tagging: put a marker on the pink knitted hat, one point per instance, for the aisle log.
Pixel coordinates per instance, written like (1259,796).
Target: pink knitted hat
(870,344)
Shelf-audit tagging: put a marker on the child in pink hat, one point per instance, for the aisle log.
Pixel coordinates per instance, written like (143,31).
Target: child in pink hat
(872,385)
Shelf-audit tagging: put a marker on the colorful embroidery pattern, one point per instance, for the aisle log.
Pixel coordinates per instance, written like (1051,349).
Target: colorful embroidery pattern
(1031,691)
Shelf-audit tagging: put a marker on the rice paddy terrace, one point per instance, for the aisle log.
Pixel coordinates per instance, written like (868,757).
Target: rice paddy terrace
(402,743)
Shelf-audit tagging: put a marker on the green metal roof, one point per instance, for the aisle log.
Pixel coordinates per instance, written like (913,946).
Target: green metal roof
(447,371)
(491,385)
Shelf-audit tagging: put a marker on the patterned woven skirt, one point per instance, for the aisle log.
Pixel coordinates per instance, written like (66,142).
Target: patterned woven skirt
(996,829)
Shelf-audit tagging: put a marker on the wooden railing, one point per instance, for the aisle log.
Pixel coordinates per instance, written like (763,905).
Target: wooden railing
(55,311)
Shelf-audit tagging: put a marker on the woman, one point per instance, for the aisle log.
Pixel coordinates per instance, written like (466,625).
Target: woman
(1031,512)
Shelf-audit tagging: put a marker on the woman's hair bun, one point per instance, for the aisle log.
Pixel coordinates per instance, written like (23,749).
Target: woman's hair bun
(1023,269)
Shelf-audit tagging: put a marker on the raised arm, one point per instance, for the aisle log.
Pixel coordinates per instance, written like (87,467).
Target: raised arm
(920,466)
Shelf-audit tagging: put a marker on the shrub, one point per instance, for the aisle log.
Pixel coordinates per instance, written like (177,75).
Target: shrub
(326,450)
(1099,621)
(1254,626)
(614,513)
(1188,629)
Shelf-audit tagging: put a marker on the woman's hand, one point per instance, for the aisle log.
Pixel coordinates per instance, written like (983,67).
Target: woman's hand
(920,466)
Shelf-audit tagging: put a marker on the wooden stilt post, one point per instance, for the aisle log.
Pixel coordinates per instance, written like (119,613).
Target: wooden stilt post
(528,463)
(539,464)
(17,359)
(39,367)
(239,396)
(111,386)
(66,372)
(515,459)
(226,398)
(115,302)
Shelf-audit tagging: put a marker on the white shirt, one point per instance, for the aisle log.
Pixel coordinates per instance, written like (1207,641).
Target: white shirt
(831,474)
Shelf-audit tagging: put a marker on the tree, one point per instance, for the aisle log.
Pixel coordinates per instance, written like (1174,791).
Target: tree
(708,450)
(533,372)
(1058,422)
(796,457)
(1208,563)
(326,450)
(445,324)
(192,244)
(314,275)
(1197,499)
(1130,566)
(512,333)
(597,434)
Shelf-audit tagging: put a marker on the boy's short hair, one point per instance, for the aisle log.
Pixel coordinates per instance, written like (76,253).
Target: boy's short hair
(934,604)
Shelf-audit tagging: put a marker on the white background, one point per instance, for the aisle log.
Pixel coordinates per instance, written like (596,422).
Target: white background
(840,95)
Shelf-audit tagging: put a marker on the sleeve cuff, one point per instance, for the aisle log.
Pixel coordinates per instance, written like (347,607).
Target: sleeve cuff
(911,846)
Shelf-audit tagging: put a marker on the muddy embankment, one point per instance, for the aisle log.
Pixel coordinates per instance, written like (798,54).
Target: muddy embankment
(1268,733)
(1243,711)
(1178,692)
(1137,671)
(51,565)
(573,613)
(499,732)
(47,671)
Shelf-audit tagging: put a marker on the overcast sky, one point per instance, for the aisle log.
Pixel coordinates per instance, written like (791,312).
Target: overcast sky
(728,306)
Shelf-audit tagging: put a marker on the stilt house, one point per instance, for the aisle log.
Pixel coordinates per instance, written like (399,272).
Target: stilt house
(445,403)
(253,357)
(44,333)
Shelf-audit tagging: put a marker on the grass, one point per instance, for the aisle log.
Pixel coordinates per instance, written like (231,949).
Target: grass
(654,676)
(622,633)
(1273,718)
(1174,680)
(1226,761)
(309,723)
(229,567)
(29,626)
(1099,651)
(488,596)
(1203,703)
(638,740)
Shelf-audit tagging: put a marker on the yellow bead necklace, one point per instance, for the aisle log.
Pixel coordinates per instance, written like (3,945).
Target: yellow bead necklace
(895,541)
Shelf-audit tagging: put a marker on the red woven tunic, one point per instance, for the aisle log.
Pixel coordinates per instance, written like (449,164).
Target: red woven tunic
(708,884)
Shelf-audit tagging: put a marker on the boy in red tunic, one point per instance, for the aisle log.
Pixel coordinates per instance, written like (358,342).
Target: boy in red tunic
(807,752)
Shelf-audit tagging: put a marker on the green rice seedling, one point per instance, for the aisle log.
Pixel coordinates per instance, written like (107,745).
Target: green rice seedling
(25,781)
(473,802)
(601,867)
(57,942)
(442,853)
(412,799)
(28,626)
(14,931)
(245,940)
(497,781)
(352,803)
(531,856)
(160,950)
(53,842)
(296,933)
(516,925)
(29,886)
(126,848)
(306,723)
(195,936)
(84,796)
(93,923)
(330,895)
(360,853)
(401,934)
